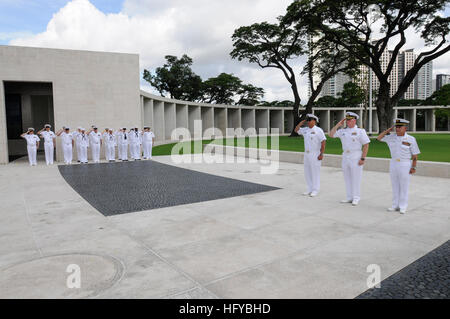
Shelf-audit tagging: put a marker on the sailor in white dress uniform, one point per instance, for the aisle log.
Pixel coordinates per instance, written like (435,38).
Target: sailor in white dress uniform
(122,144)
(49,143)
(67,143)
(83,144)
(32,145)
(355,145)
(404,151)
(95,140)
(314,140)
(148,137)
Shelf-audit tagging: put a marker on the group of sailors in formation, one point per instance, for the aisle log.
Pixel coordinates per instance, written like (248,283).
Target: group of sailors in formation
(354,140)
(93,140)
(355,145)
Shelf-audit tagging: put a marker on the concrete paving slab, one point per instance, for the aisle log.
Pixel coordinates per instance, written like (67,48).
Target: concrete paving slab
(272,244)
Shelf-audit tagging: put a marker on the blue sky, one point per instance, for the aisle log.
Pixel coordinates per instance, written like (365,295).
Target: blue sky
(32,16)
(201,29)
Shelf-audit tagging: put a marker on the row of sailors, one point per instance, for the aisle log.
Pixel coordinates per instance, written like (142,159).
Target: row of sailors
(355,145)
(93,139)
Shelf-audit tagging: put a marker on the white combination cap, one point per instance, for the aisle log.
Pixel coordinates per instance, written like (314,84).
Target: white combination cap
(47,125)
(401,122)
(312,116)
(30,129)
(351,115)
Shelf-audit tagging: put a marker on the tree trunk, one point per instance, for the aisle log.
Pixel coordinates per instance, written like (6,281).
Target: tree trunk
(296,118)
(385,111)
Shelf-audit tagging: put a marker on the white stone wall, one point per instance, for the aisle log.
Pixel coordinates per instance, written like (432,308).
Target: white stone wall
(88,87)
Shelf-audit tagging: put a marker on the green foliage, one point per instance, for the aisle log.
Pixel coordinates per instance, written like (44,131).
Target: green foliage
(440,97)
(284,103)
(352,95)
(176,78)
(249,94)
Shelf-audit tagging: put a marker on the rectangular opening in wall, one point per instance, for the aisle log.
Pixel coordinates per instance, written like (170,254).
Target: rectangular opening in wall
(27,104)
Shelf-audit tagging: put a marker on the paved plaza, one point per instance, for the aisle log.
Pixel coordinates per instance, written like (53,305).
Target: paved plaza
(270,244)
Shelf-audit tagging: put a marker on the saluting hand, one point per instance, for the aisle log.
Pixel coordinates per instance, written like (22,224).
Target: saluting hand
(341,122)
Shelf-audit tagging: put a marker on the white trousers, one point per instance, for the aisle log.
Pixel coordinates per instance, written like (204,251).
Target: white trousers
(400,178)
(78,152)
(147,149)
(123,151)
(352,175)
(110,152)
(32,150)
(136,151)
(67,150)
(312,171)
(95,149)
(83,154)
(49,150)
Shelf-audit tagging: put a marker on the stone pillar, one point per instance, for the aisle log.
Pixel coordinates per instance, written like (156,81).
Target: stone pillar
(158,120)
(194,114)
(412,125)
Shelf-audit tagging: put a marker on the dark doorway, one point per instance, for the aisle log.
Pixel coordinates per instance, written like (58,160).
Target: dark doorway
(27,104)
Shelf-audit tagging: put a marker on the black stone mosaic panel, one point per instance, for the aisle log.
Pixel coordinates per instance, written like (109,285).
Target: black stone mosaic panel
(426,278)
(124,187)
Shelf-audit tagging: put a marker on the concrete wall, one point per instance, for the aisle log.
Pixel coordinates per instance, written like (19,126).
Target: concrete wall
(88,87)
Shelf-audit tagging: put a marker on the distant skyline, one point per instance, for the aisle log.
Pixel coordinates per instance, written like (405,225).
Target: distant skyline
(201,29)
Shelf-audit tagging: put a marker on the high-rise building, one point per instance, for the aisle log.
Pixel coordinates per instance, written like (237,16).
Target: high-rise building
(441,80)
(421,88)
(406,61)
(424,82)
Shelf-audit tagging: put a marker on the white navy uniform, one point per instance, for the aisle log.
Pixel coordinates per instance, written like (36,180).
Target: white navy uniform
(313,138)
(48,137)
(122,145)
(147,143)
(401,148)
(77,145)
(94,139)
(66,139)
(352,140)
(135,144)
(31,139)
(83,144)
(110,144)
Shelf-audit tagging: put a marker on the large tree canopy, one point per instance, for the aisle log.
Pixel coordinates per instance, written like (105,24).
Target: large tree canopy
(278,45)
(349,24)
(176,78)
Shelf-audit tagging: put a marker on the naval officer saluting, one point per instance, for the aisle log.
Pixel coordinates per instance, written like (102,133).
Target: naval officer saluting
(95,139)
(352,139)
(314,140)
(32,145)
(67,143)
(49,143)
(404,151)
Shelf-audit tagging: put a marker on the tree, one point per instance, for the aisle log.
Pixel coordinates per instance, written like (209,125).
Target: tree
(271,46)
(326,101)
(440,97)
(413,102)
(352,95)
(276,45)
(249,94)
(221,89)
(176,78)
(347,23)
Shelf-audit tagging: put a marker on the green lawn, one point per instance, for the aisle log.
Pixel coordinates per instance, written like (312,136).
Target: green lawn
(433,147)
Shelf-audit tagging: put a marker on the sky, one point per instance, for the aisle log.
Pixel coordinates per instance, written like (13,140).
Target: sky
(201,29)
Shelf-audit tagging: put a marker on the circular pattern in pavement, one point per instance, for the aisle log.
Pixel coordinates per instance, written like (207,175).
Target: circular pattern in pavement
(77,275)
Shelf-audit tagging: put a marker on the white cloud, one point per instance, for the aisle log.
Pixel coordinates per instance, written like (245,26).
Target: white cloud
(154,28)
